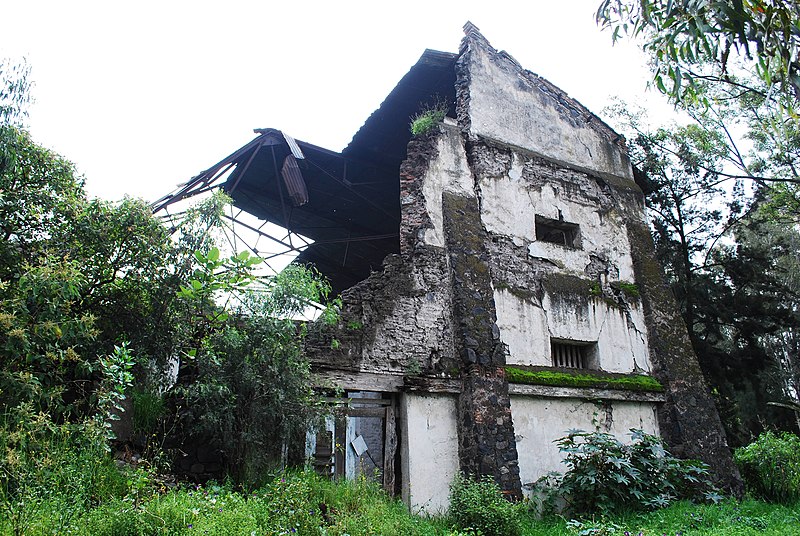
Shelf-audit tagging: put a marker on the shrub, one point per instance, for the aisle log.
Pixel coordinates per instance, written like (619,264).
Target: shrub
(606,476)
(478,505)
(770,467)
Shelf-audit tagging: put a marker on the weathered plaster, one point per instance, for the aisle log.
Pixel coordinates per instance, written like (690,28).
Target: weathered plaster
(523,328)
(448,172)
(527,187)
(540,421)
(620,334)
(526,328)
(428,450)
(513,105)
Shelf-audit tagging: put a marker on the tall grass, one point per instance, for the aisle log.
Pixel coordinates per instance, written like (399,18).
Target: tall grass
(128,502)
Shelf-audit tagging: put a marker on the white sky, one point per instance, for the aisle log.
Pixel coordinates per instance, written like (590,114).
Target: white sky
(143,95)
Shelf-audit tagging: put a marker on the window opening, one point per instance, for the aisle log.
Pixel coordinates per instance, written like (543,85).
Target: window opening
(557,232)
(571,354)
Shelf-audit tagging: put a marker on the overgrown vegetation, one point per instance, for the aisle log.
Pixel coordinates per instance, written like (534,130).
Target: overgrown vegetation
(134,503)
(478,507)
(428,119)
(631,382)
(605,476)
(97,302)
(770,467)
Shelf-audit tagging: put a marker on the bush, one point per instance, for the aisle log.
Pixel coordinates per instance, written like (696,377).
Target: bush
(606,476)
(478,505)
(770,467)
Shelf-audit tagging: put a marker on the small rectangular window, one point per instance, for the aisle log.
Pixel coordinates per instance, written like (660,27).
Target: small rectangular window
(572,354)
(557,232)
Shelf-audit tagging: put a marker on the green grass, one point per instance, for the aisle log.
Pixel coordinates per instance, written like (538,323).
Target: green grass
(631,382)
(303,503)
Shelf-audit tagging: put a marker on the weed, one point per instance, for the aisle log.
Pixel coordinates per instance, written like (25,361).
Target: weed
(428,119)
(478,505)
(605,476)
(630,289)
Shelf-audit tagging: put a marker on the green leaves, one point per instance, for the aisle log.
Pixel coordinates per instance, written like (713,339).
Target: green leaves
(770,467)
(606,476)
(694,44)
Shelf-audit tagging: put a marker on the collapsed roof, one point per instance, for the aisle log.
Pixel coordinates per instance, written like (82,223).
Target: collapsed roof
(347,203)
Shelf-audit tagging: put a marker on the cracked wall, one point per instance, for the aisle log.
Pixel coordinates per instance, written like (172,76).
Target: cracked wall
(475,288)
(534,151)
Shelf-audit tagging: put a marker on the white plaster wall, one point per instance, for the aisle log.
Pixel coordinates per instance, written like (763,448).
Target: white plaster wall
(429,450)
(527,329)
(509,207)
(540,421)
(448,172)
(621,339)
(523,328)
(506,106)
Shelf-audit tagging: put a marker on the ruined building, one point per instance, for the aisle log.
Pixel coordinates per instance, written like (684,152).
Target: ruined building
(497,278)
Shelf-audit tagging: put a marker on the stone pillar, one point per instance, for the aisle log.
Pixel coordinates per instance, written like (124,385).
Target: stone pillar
(688,420)
(485,429)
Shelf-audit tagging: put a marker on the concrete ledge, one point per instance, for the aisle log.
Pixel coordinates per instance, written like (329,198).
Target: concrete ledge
(549,391)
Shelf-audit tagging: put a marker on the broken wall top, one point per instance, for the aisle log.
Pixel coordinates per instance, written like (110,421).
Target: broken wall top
(506,103)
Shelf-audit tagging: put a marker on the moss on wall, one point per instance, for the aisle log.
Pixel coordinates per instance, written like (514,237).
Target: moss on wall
(560,378)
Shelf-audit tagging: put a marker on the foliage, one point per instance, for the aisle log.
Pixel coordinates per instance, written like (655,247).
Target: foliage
(40,192)
(290,503)
(148,410)
(477,505)
(683,518)
(730,258)
(606,476)
(630,289)
(52,470)
(428,119)
(693,44)
(134,503)
(633,382)
(770,467)
(244,386)
(14,91)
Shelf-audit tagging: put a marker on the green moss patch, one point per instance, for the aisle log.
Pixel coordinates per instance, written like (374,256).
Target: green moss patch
(559,378)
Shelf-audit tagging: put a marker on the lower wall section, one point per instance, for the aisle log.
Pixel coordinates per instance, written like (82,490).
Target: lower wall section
(540,421)
(429,450)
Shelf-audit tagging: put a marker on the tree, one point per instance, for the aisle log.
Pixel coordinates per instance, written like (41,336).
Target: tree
(733,66)
(724,191)
(245,387)
(694,44)
(732,266)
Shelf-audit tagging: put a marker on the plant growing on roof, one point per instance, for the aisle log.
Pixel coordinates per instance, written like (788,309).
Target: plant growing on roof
(427,119)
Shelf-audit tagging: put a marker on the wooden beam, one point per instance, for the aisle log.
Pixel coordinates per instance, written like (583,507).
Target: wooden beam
(388,382)
(389,450)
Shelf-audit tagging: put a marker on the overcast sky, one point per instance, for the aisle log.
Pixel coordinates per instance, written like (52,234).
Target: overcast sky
(143,95)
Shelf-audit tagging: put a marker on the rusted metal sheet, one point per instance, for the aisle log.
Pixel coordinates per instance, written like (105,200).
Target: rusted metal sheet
(293,179)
